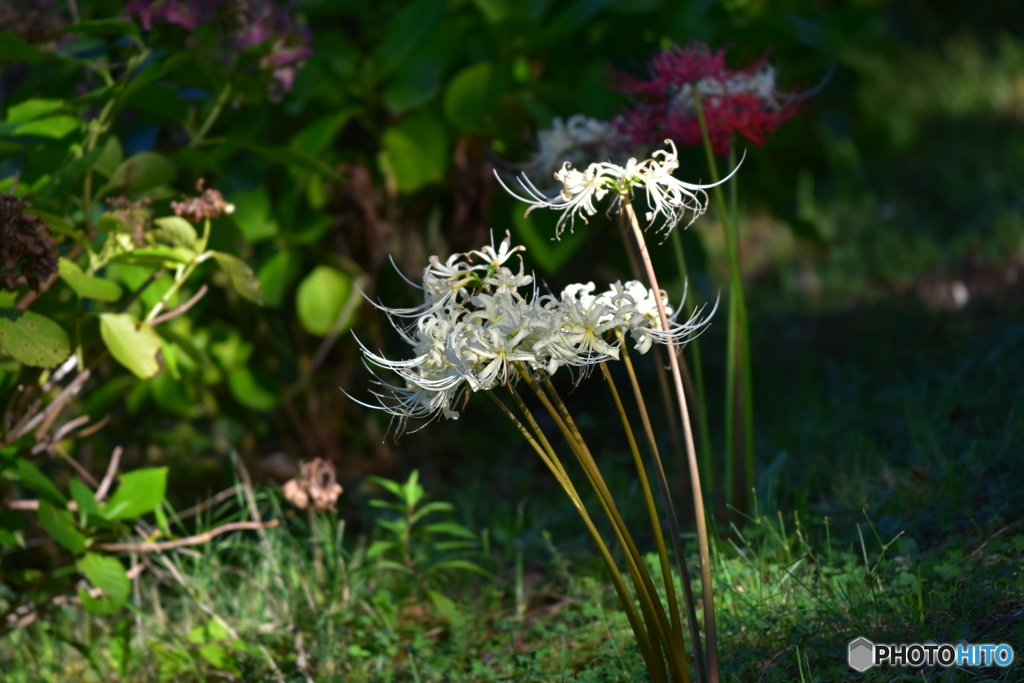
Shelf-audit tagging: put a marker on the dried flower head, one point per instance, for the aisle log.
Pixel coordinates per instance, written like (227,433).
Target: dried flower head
(316,487)
(209,204)
(133,215)
(28,254)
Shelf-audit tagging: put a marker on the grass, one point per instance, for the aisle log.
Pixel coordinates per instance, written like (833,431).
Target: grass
(888,507)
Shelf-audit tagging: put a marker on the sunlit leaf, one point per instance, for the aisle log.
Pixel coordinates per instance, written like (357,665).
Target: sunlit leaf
(416,152)
(59,525)
(139,492)
(87,286)
(176,230)
(320,298)
(33,339)
(133,344)
(31,109)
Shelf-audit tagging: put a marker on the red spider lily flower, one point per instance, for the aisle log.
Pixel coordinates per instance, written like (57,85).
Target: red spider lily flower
(741,102)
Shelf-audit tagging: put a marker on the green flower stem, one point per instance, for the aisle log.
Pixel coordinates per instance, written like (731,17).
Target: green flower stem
(710,628)
(673,523)
(550,459)
(218,107)
(738,339)
(646,591)
(707,463)
(183,275)
(652,510)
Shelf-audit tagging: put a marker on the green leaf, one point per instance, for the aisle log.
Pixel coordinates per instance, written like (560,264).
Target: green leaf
(320,298)
(254,214)
(105,27)
(536,231)
(139,172)
(85,499)
(156,257)
(220,658)
(413,25)
(216,630)
(319,135)
(416,152)
(51,127)
(31,109)
(292,158)
(107,574)
(59,525)
(56,223)
(493,10)
(249,392)
(133,344)
(111,156)
(176,230)
(33,478)
(274,276)
(464,565)
(242,278)
(414,84)
(472,94)
(87,286)
(140,492)
(33,339)
(450,529)
(14,48)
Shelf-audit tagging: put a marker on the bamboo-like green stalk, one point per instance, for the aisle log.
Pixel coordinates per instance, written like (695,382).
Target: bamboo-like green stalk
(710,627)
(652,510)
(738,342)
(551,460)
(673,523)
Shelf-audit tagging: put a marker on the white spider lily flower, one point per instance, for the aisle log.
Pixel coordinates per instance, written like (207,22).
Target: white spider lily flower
(668,196)
(580,140)
(478,329)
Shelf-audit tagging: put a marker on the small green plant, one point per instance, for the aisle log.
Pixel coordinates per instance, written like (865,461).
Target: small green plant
(414,542)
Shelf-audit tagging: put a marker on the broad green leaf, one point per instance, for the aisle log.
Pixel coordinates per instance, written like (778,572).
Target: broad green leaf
(472,94)
(413,25)
(51,127)
(31,109)
(87,286)
(286,156)
(320,297)
(56,223)
(493,10)
(33,339)
(140,172)
(83,495)
(216,630)
(33,478)
(220,658)
(535,232)
(59,525)
(274,276)
(176,230)
(156,257)
(249,392)
(111,156)
(133,344)
(14,48)
(254,214)
(105,27)
(139,492)
(416,152)
(319,135)
(446,607)
(413,85)
(242,278)
(197,635)
(107,574)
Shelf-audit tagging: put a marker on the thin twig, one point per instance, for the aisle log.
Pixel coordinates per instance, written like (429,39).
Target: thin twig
(53,407)
(50,443)
(108,478)
(208,503)
(180,309)
(188,540)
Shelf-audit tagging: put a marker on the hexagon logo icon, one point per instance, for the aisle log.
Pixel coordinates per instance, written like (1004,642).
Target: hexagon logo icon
(861,655)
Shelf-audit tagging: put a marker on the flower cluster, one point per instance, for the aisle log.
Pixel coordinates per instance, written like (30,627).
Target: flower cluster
(666,195)
(735,102)
(579,141)
(479,317)
(241,25)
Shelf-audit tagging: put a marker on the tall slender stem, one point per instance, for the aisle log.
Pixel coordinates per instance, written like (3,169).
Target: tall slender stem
(673,523)
(710,628)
